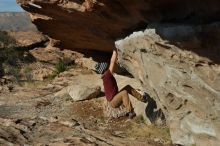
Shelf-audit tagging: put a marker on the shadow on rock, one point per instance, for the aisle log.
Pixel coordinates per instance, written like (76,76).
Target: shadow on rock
(156,116)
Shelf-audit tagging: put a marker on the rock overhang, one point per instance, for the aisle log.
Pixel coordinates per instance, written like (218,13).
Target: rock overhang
(109,20)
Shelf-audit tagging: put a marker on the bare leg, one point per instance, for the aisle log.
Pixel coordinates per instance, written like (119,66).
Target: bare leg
(133,92)
(121,98)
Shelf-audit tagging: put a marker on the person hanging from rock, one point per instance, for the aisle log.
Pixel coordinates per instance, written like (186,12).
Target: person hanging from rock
(114,97)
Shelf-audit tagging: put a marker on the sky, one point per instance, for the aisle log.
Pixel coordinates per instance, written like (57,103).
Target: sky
(9,6)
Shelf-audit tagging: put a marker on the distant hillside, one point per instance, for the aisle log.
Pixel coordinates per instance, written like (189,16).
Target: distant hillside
(16,21)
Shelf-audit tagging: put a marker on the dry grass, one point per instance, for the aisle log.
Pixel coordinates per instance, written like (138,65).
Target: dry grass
(35,84)
(142,131)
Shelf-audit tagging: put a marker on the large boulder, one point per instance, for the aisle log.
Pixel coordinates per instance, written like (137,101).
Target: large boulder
(83,92)
(184,84)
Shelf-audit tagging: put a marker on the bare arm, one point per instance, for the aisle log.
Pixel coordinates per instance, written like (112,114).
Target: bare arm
(113,60)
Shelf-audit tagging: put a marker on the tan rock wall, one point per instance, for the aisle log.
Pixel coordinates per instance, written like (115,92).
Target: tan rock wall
(184,85)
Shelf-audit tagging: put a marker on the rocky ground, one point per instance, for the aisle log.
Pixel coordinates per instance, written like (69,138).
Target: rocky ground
(41,111)
(37,107)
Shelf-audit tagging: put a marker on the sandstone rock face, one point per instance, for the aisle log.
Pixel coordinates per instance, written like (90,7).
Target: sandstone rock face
(108,20)
(52,55)
(28,39)
(184,84)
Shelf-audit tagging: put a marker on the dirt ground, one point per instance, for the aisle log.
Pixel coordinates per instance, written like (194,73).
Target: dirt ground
(31,114)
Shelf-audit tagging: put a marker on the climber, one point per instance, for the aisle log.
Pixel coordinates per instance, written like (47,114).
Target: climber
(114,97)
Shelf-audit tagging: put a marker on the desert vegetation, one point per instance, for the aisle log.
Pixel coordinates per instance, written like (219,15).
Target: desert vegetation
(8,55)
(62,65)
(12,59)
(17,63)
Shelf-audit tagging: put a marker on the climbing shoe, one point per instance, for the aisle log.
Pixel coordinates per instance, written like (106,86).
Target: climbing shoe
(146,97)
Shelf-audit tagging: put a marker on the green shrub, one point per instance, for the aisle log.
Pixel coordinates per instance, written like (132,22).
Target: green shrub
(8,53)
(11,56)
(60,66)
(6,40)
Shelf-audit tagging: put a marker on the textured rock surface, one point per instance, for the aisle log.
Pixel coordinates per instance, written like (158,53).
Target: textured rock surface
(68,20)
(53,55)
(184,84)
(80,92)
(28,39)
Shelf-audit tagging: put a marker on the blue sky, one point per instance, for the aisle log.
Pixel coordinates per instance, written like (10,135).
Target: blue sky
(9,6)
